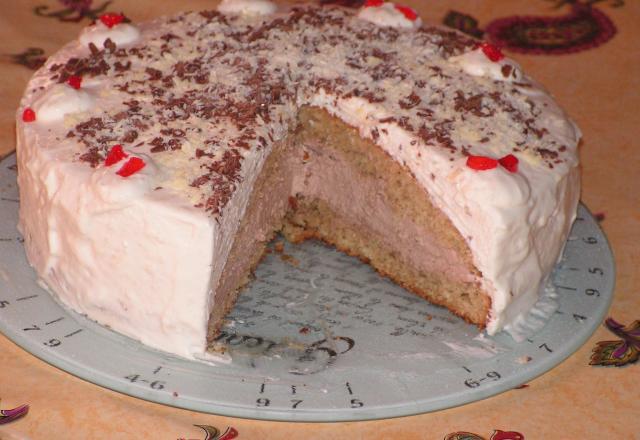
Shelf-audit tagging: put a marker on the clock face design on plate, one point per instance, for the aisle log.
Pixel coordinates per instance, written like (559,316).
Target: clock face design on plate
(317,336)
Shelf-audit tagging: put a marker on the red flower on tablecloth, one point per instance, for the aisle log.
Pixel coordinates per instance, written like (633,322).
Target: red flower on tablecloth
(583,27)
(73,10)
(618,353)
(9,415)
(497,435)
(213,433)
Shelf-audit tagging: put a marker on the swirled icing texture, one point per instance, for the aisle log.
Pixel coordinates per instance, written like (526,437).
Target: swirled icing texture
(249,7)
(387,14)
(121,34)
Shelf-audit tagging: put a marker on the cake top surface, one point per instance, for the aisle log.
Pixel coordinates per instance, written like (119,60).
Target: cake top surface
(197,93)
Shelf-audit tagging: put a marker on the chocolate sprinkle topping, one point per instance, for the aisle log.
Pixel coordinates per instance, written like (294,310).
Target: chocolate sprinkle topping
(215,89)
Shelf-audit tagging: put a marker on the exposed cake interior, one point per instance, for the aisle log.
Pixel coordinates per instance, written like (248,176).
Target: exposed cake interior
(385,218)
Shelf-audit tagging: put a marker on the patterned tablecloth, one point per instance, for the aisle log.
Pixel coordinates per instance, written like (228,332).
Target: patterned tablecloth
(584,51)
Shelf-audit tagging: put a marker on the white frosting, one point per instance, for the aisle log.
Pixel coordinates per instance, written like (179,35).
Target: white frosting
(84,226)
(121,34)
(388,15)
(142,260)
(93,223)
(489,207)
(249,7)
(477,63)
(61,100)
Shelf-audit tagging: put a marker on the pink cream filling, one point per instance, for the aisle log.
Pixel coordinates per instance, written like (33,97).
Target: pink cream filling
(360,200)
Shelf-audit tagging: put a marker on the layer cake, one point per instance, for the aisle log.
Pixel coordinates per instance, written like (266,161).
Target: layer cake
(157,160)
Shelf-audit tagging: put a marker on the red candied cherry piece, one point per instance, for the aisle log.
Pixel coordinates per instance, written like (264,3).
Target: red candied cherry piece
(373,3)
(481,163)
(75,81)
(492,51)
(111,19)
(409,13)
(115,155)
(28,115)
(130,167)
(510,162)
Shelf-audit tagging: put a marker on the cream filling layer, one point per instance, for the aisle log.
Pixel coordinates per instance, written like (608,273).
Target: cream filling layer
(325,176)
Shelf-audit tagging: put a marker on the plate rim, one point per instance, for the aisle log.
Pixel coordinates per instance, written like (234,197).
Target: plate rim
(411,408)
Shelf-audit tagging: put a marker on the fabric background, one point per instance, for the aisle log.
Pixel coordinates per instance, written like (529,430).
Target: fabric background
(599,87)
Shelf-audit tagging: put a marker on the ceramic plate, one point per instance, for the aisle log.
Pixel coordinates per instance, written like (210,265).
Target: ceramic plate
(318,336)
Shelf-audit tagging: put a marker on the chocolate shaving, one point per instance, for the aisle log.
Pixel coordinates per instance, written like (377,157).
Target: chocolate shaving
(119,67)
(92,157)
(546,153)
(109,45)
(154,74)
(409,101)
(472,104)
(439,132)
(130,136)
(506,70)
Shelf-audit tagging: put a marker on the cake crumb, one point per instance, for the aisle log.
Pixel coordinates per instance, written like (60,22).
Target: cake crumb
(289,259)
(304,330)
(217,348)
(279,247)
(524,359)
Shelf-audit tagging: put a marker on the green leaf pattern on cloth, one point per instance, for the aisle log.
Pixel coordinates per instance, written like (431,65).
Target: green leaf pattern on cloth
(618,353)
